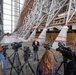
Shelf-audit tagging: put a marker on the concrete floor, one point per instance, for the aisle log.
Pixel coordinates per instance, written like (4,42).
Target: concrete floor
(33,63)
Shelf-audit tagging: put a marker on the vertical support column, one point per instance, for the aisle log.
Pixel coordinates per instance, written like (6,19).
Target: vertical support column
(1,17)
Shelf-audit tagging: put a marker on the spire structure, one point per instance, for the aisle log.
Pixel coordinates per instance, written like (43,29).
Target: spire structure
(37,11)
(62,37)
(33,18)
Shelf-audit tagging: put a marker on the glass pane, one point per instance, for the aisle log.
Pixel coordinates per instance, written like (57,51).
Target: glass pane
(7,28)
(15,8)
(21,5)
(6,6)
(13,13)
(13,19)
(21,1)
(7,11)
(15,3)
(7,31)
(7,1)
(13,22)
(7,17)
(13,28)
(6,22)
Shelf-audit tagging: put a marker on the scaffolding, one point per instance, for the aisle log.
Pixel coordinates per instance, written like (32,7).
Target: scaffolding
(35,15)
(62,36)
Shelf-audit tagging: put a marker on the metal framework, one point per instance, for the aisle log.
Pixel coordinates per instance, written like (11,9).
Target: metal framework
(34,18)
(56,6)
(37,13)
(63,37)
(28,4)
(71,10)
